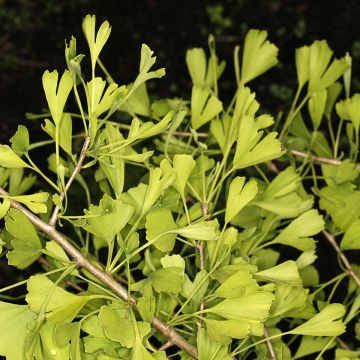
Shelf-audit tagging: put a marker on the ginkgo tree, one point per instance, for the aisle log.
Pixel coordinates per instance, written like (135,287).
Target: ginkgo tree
(183,228)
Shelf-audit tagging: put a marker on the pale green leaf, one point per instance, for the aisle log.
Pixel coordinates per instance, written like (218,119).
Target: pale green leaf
(310,345)
(203,230)
(297,233)
(158,183)
(4,207)
(114,321)
(351,238)
(210,349)
(237,285)
(57,93)
(9,159)
(204,106)
(95,44)
(15,322)
(259,55)
(302,65)
(183,165)
(333,92)
(316,106)
(26,243)
(20,141)
(239,196)
(250,307)
(196,63)
(325,323)
(349,109)
(58,305)
(108,218)
(223,331)
(288,298)
(35,202)
(160,221)
(285,273)
(339,174)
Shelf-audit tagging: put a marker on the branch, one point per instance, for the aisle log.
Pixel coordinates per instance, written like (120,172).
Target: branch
(269,345)
(320,159)
(71,179)
(81,261)
(343,258)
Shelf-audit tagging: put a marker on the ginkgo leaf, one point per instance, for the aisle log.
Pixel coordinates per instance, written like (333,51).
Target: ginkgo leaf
(288,298)
(314,65)
(223,331)
(297,233)
(250,150)
(204,106)
(15,320)
(26,243)
(4,207)
(316,106)
(286,273)
(9,159)
(196,63)
(65,132)
(35,202)
(342,203)
(326,323)
(59,305)
(236,285)
(239,196)
(203,230)
(333,93)
(349,109)
(57,93)
(114,321)
(250,307)
(310,345)
(210,349)
(20,141)
(154,228)
(95,44)
(259,55)
(351,238)
(182,166)
(158,182)
(107,219)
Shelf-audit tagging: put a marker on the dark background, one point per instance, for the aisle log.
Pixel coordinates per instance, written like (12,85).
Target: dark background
(32,34)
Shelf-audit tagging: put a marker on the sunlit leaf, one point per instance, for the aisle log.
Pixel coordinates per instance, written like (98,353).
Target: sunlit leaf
(223,331)
(15,322)
(259,55)
(58,305)
(203,230)
(208,348)
(182,166)
(239,196)
(9,159)
(155,228)
(325,323)
(95,43)
(108,218)
(286,273)
(351,238)
(26,243)
(35,202)
(20,141)
(57,93)
(349,109)
(316,106)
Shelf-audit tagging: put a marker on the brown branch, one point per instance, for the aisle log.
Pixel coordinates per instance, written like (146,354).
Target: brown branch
(269,345)
(331,239)
(77,169)
(81,261)
(320,159)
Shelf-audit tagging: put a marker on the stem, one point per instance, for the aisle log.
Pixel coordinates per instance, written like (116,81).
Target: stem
(71,179)
(269,345)
(331,239)
(81,261)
